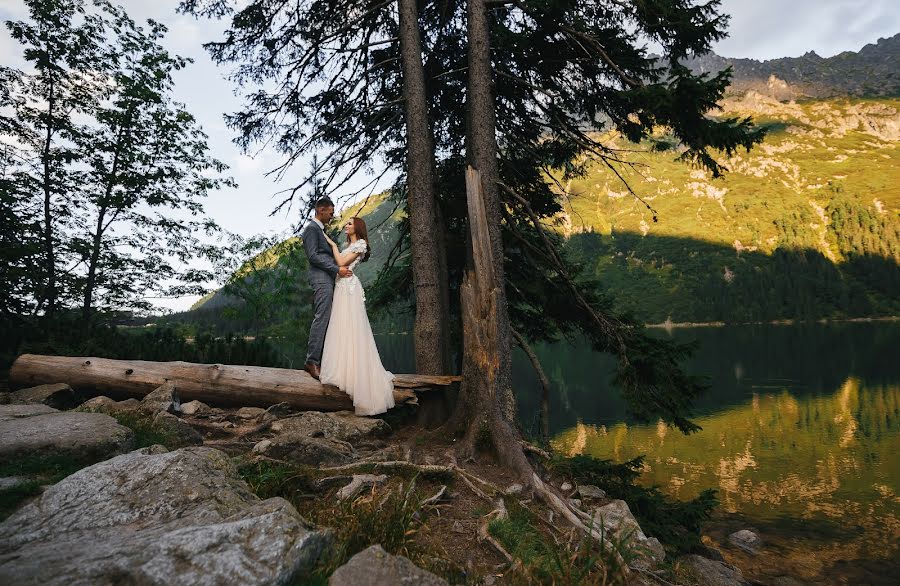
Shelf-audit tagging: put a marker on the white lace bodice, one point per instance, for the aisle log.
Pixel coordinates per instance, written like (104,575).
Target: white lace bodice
(352,282)
(360,247)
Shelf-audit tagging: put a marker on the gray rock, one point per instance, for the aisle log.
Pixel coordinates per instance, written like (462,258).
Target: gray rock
(376,567)
(617,518)
(746,540)
(163,398)
(300,449)
(514,489)
(157,517)
(85,437)
(712,573)
(195,408)
(103,404)
(20,411)
(565,487)
(250,412)
(13,482)
(343,426)
(279,410)
(589,491)
(57,395)
(180,433)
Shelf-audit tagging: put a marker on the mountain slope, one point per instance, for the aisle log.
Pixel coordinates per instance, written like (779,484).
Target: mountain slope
(805,225)
(871,71)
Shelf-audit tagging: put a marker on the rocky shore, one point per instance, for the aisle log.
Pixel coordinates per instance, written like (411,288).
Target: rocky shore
(153,491)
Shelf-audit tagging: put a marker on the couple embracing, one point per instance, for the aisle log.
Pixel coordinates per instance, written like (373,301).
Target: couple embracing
(341,349)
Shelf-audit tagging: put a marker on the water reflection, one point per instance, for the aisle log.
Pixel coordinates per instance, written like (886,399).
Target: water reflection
(800,437)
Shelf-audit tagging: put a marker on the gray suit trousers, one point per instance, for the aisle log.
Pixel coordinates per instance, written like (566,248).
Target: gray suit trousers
(323,293)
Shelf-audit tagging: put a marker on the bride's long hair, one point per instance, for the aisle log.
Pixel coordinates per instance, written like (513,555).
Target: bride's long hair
(359,227)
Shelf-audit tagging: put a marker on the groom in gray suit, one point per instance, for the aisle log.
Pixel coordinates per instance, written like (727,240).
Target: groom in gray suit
(322,272)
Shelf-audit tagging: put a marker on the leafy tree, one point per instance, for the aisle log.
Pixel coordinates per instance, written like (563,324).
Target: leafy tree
(115,167)
(147,158)
(67,82)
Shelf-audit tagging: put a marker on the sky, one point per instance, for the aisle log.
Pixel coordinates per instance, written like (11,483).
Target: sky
(759,29)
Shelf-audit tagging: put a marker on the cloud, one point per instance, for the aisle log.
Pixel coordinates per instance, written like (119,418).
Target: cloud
(768,29)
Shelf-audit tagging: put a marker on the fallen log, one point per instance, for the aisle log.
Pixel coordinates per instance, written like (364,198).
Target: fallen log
(219,384)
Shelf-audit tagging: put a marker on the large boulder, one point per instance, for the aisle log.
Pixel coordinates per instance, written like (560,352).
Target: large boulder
(157,517)
(21,411)
(343,426)
(709,572)
(57,395)
(616,517)
(376,567)
(83,437)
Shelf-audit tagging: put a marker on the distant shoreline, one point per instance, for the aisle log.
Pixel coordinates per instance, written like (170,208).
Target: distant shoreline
(670,325)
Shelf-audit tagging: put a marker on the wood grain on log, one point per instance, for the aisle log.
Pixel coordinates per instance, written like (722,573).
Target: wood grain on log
(221,384)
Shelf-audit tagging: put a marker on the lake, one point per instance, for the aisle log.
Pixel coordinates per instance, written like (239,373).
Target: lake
(801,439)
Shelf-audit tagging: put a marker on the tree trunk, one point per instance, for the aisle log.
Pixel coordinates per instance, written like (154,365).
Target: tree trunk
(49,252)
(218,384)
(431,335)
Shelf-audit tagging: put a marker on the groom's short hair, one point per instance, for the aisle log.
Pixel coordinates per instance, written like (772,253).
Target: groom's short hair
(324,202)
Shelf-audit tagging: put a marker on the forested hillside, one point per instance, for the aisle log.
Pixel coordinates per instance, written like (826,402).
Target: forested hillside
(804,227)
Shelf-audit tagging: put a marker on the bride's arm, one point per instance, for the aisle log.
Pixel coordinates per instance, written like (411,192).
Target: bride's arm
(342,260)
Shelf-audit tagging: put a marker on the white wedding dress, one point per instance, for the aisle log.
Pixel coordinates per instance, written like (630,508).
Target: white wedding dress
(350,359)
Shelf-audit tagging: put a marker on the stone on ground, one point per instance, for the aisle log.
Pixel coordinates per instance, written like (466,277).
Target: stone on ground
(746,540)
(84,437)
(300,449)
(157,517)
(12,412)
(376,567)
(617,518)
(180,433)
(163,398)
(195,408)
(104,404)
(343,426)
(589,491)
(57,395)
(712,573)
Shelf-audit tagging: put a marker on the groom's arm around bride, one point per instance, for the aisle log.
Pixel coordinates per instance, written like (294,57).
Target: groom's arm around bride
(322,273)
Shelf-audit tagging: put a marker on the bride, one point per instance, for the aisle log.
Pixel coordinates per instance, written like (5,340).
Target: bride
(350,358)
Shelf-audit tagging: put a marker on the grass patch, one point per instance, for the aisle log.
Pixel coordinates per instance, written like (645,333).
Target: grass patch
(389,516)
(40,470)
(12,498)
(146,433)
(546,561)
(676,524)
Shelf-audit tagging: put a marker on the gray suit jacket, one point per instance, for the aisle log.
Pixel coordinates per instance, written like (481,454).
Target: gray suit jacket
(322,268)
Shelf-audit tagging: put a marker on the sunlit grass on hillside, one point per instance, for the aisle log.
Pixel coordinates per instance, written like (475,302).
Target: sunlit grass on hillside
(822,162)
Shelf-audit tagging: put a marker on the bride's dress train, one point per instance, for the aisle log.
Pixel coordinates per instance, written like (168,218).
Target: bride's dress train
(350,359)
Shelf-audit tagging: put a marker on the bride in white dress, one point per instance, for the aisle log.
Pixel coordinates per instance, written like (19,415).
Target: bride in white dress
(350,359)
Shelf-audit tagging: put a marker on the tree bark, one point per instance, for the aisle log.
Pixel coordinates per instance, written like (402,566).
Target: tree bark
(49,251)
(218,384)
(431,335)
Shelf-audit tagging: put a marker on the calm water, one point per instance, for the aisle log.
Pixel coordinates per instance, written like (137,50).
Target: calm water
(801,437)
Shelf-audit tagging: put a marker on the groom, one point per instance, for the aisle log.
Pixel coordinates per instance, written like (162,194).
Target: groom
(322,272)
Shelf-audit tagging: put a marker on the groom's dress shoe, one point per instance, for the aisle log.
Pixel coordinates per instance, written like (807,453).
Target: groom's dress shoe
(312,369)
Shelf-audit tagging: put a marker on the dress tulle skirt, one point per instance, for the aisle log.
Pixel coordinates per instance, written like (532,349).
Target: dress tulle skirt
(350,359)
